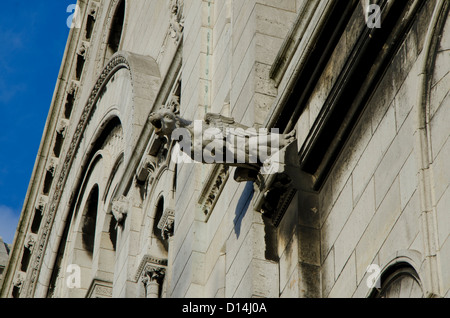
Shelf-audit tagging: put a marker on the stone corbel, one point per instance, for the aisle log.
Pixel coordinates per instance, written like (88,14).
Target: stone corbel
(120,210)
(19,280)
(30,242)
(62,126)
(52,165)
(73,87)
(41,203)
(278,188)
(83,50)
(93,9)
(166,223)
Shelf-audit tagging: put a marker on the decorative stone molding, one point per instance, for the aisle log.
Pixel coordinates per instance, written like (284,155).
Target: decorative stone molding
(52,165)
(83,49)
(62,126)
(276,191)
(213,188)
(30,241)
(166,223)
(120,210)
(100,289)
(116,63)
(146,168)
(19,280)
(149,264)
(41,203)
(176,20)
(73,87)
(93,9)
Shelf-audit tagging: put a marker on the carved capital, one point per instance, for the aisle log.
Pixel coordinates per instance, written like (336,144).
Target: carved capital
(148,263)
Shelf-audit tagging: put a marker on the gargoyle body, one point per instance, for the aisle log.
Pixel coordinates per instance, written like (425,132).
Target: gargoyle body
(219,139)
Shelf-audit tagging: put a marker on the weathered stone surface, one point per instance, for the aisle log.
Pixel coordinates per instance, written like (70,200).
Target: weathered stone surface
(118,206)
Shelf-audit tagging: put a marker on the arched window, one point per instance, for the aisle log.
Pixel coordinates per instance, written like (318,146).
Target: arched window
(115,33)
(89,222)
(400,281)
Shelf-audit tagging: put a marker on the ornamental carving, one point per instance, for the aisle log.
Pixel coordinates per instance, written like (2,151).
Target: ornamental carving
(120,210)
(213,188)
(115,64)
(166,223)
(148,264)
(176,20)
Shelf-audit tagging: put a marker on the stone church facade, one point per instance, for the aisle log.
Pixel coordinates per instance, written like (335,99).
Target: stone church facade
(360,206)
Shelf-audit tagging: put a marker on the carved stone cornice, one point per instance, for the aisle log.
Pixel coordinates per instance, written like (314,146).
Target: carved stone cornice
(213,188)
(100,289)
(166,223)
(150,264)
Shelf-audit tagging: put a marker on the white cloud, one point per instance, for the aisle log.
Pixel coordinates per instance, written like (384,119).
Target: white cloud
(8,223)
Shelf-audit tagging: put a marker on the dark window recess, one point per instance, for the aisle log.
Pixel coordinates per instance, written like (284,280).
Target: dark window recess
(15,292)
(48,182)
(158,214)
(80,66)
(89,222)
(89,26)
(346,102)
(315,63)
(25,259)
(36,221)
(115,34)
(113,232)
(69,105)
(58,145)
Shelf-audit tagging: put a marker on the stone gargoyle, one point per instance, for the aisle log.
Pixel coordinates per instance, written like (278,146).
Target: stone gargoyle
(219,139)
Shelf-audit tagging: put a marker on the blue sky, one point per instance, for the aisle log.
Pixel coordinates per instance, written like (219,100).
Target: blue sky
(33,35)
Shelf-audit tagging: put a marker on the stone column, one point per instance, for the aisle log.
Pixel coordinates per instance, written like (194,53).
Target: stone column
(152,280)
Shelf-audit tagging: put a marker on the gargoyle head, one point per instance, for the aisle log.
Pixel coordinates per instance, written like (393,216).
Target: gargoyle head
(166,121)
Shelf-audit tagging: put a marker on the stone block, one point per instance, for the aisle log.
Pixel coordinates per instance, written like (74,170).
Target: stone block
(379,227)
(345,284)
(335,221)
(354,227)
